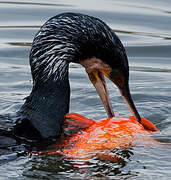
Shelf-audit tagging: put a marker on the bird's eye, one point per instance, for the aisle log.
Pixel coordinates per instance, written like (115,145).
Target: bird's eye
(114,73)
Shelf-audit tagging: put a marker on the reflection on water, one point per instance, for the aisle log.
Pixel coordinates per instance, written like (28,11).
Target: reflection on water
(144,28)
(90,167)
(34,3)
(19,44)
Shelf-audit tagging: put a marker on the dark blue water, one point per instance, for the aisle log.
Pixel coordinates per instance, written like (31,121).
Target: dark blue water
(145,30)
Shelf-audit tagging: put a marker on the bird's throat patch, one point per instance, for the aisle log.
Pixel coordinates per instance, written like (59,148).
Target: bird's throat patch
(93,66)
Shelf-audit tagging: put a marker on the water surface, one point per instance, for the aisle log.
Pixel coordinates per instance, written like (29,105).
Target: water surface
(144,28)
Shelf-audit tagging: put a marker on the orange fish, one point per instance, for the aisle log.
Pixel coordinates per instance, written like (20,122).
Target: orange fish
(86,138)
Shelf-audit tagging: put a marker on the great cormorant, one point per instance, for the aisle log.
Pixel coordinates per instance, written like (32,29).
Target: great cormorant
(64,39)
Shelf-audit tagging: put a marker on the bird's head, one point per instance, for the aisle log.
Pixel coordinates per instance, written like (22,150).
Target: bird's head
(118,73)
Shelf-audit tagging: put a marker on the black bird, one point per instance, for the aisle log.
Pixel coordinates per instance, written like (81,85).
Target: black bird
(66,38)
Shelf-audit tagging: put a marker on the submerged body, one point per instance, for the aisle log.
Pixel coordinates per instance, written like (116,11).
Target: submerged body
(87,138)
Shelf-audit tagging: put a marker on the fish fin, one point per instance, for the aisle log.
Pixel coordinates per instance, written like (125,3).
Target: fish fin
(149,126)
(74,122)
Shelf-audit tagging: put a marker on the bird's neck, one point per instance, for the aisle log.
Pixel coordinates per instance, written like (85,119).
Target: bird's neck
(48,102)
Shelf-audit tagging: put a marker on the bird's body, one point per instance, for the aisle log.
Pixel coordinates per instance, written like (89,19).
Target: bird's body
(66,38)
